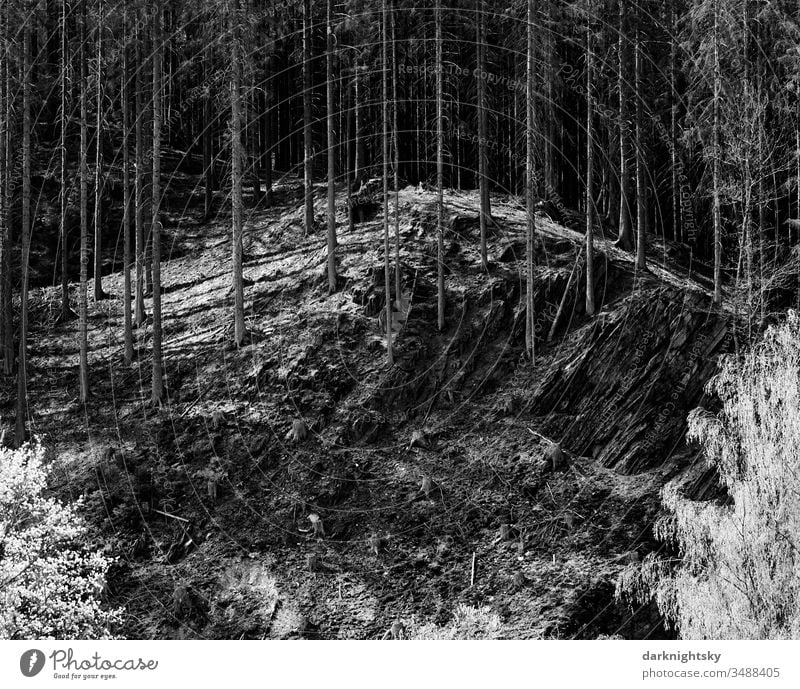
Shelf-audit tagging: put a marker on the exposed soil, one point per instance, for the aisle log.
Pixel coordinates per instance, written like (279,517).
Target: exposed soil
(435,482)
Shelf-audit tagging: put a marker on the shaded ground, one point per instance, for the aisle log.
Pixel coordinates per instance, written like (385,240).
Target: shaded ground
(433,481)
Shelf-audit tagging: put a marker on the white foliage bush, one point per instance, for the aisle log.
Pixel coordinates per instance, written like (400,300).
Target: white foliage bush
(738,576)
(467,623)
(50,583)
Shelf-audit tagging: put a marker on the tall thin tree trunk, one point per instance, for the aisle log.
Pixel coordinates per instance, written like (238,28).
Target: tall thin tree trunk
(308,154)
(148,50)
(126,196)
(625,237)
(398,277)
(762,219)
(66,311)
(83,296)
(251,133)
(98,162)
(677,230)
(512,138)
(267,130)
(550,144)
(331,152)
(748,247)
(483,143)
(360,151)
(158,382)
(349,159)
(716,154)
(6,333)
(385,142)
(641,189)
(237,203)
(418,138)
(138,182)
(8,165)
(590,210)
(530,182)
(439,167)
(208,162)
(797,179)
(22,361)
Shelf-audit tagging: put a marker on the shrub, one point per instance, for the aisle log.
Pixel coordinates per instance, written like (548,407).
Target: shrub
(50,582)
(467,623)
(738,571)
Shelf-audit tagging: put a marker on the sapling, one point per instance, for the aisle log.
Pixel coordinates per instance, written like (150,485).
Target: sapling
(217,419)
(181,602)
(298,432)
(396,632)
(427,487)
(376,544)
(418,439)
(556,459)
(316,526)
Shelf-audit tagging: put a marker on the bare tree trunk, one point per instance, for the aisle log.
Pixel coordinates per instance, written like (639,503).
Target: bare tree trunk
(550,144)
(418,137)
(331,153)
(625,238)
(350,158)
(677,230)
(8,166)
(716,153)
(360,152)
(761,169)
(138,182)
(251,149)
(98,163)
(66,312)
(308,154)
(126,196)
(158,382)
(398,277)
(483,148)
(83,296)
(641,189)
(385,141)
(147,216)
(267,129)
(439,167)
(208,161)
(748,247)
(6,334)
(530,183)
(236,174)
(590,209)
(22,361)
(797,185)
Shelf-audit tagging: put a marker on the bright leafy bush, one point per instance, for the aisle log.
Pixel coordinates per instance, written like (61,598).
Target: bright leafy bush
(50,582)
(738,571)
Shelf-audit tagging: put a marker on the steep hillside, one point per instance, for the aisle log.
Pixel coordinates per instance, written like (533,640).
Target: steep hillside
(463,474)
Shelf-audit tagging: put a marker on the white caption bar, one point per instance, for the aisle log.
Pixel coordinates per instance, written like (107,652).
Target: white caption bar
(371,664)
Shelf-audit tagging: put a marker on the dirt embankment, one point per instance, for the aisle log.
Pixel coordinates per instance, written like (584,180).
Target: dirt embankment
(298,487)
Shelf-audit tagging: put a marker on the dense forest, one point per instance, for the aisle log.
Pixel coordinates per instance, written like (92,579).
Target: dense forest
(617,143)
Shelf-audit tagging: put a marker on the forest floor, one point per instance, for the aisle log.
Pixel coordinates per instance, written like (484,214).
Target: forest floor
(431,480)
